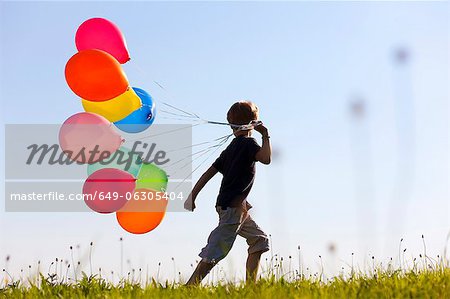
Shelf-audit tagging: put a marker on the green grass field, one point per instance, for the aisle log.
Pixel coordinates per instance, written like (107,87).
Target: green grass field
(426,284)
(429,281)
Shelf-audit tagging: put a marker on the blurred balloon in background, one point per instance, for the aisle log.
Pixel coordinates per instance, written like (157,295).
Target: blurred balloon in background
(107,190)
(88,138)
(144,212)
(141,118)
(122,159)
(117,108)
(102,34)
(95,75)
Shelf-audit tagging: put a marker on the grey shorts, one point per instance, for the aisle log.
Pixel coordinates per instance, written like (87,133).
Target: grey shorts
(233,222)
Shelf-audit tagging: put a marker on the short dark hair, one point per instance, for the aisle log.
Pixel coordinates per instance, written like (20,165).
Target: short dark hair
(242,113)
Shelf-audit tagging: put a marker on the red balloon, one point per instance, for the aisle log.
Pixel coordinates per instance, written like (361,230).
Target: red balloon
(102,34)
(107,190)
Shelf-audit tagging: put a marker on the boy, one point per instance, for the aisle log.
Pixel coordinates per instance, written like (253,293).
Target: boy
(237,165)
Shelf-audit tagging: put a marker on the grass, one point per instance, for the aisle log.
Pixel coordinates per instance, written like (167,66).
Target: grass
(412,284)
(421,277)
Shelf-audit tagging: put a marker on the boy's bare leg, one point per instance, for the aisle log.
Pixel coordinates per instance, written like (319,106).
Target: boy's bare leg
(200,272)
(252,266)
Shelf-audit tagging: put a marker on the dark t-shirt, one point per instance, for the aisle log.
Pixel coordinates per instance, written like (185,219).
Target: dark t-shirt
(237,164)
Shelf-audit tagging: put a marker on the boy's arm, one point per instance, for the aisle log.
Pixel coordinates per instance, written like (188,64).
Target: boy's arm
(189,204)
(264,155)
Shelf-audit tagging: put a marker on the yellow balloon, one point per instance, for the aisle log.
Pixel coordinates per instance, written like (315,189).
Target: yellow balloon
(117,108)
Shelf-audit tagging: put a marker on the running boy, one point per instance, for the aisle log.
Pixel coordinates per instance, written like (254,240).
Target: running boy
(237,165)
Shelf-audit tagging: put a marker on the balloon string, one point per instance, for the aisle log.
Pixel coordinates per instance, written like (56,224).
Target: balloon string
(181,119)
(217,141)
(206,159)
(181,110)
(191,161)
(160,86)
(198,154)
(208,150)
(176,114)
(215,148)
(163,133)
(189,156)
(201,143)
(186,113)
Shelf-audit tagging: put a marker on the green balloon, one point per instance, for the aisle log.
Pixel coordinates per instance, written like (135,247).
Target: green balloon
(152,177)
(121,159)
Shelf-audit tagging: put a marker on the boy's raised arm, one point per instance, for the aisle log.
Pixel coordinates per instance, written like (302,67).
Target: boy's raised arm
(189,204)
(264,155)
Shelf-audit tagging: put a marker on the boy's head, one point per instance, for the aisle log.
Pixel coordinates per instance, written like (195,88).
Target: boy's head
(242,113)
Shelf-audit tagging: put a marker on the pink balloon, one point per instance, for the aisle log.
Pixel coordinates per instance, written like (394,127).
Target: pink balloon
(107,190)
(102,34)
(88,138)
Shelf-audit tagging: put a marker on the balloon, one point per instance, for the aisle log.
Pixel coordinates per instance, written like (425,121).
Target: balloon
(151,177)
(140,119)
(117,108)
(102,34)
(94,75)
(144,212)
(88,138)
(122,159)
(107,190)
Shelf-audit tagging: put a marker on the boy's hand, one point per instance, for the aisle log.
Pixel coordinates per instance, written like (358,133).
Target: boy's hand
(261,129)
(189,204)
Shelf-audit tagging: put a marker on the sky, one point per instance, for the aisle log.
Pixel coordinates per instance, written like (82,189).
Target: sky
(361,184)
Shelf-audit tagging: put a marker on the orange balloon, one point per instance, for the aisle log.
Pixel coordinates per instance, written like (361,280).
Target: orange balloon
(95,75)
(143,212)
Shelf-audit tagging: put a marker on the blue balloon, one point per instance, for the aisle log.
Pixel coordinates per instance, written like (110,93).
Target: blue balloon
(140,119)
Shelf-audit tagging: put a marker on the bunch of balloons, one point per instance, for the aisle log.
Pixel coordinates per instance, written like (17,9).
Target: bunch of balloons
(119,181)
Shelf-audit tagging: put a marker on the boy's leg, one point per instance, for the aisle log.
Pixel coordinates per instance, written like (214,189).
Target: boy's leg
(219,243)
(258,244)
(200,272)
(252,266)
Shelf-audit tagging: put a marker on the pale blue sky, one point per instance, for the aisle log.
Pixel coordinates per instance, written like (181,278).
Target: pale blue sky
(301,63)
